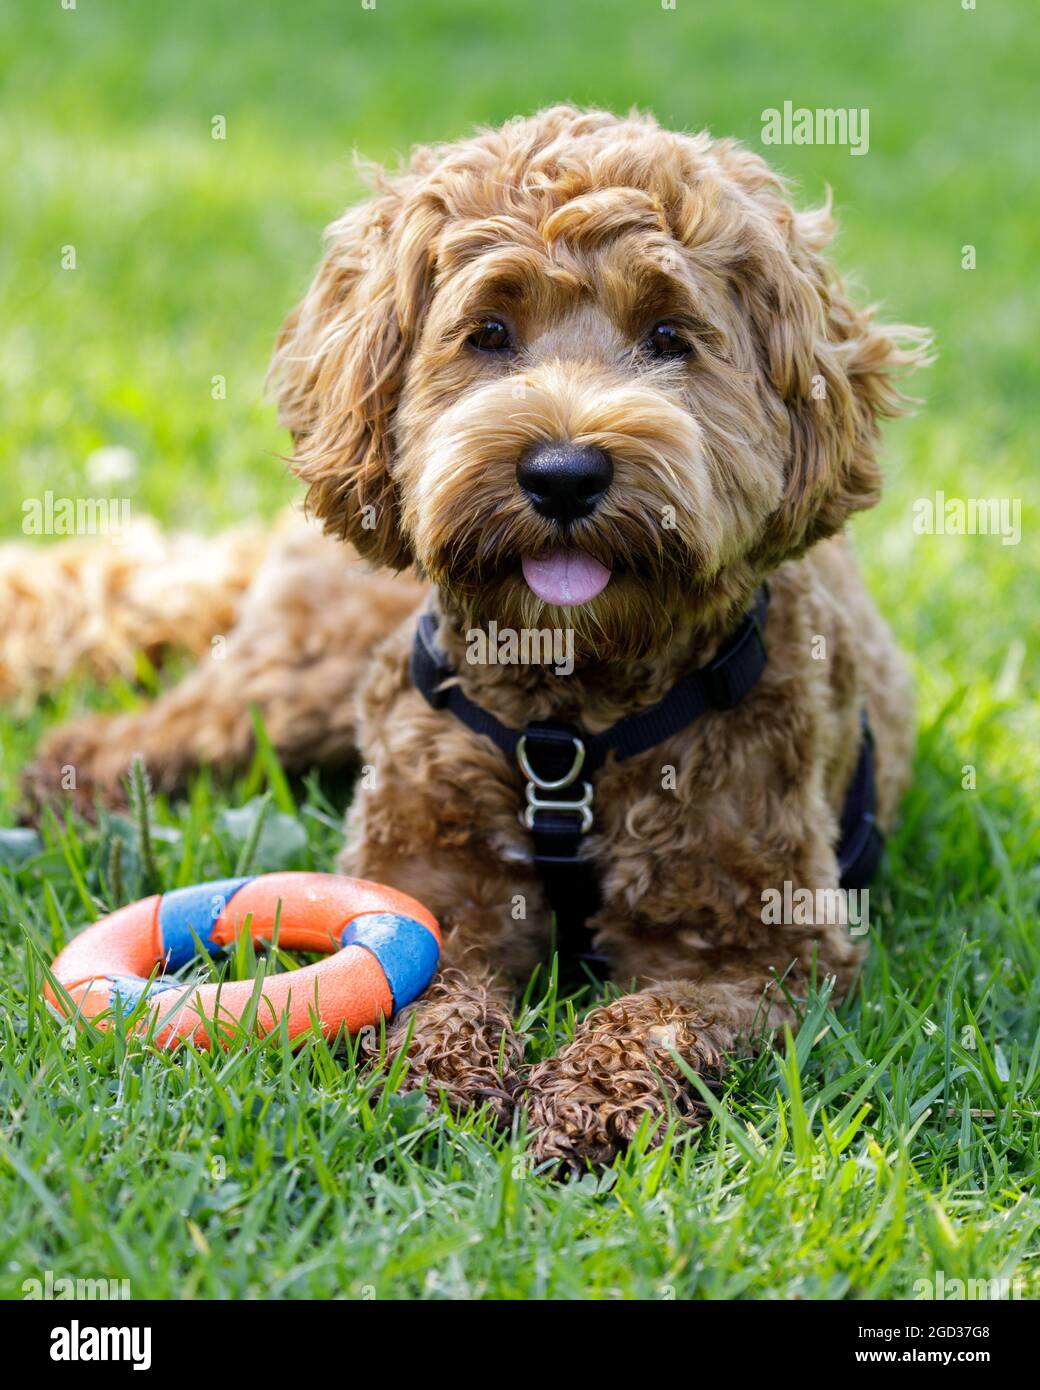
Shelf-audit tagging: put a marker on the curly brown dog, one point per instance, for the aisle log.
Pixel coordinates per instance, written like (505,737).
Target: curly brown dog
(590,377)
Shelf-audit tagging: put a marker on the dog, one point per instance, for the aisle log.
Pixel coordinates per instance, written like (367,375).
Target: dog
(584,375)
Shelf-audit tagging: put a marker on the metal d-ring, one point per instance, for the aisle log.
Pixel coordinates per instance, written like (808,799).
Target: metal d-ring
(560,783)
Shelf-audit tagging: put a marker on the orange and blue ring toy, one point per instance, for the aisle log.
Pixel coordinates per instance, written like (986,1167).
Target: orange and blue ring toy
(385,949)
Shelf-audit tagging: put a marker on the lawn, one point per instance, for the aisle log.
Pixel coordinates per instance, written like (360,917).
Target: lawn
(894,1135)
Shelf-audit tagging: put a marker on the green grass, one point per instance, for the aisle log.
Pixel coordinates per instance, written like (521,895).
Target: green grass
(898,1134)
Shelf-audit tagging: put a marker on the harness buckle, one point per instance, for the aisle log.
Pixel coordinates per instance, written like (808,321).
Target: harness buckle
(582,807)
(542,783)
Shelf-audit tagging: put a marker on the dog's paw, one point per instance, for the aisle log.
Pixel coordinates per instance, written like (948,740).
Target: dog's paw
(588,1101)
(462,1045)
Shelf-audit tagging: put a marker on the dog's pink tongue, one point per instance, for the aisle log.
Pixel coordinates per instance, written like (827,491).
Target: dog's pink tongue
(565,577)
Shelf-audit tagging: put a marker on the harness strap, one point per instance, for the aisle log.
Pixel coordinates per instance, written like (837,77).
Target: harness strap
(558,813)
(720,685)
(557,758)
(862,844)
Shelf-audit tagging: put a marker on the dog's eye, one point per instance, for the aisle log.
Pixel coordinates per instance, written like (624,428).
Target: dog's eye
(491,336)
(665,340)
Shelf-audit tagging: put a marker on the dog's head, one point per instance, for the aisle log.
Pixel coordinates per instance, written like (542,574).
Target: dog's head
(585,372)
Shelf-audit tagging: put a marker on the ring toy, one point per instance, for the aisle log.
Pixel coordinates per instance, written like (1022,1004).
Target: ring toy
(384,950)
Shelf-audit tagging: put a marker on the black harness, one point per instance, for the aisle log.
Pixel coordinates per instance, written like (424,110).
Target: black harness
(557,760)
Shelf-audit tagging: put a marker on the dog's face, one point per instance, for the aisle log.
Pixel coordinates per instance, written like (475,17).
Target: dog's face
(585,373)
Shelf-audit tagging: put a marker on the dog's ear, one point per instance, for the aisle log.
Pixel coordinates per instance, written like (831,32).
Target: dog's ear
(340,360)
(832,366)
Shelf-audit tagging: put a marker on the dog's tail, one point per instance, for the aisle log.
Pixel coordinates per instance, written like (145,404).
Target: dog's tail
(86,607)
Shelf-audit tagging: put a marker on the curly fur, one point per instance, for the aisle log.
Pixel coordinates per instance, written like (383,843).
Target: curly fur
(589,1100)
(89,608)
(460,1042)
(580,230)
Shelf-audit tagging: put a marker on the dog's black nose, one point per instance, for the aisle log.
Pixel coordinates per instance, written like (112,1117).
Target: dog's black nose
(564,482)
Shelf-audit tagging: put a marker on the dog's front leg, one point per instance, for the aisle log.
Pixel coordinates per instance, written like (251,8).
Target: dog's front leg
(588,1101)
(460,1042)
(459,1037)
